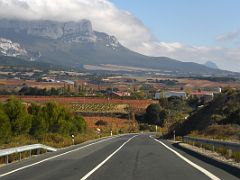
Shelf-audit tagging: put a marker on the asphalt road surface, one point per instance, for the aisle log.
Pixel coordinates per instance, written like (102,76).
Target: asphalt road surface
(127,157)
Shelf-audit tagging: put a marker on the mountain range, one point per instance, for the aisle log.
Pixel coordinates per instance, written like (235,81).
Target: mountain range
(76,45)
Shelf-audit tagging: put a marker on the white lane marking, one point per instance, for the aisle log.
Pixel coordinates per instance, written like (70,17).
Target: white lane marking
(204,171)
(105,160)
(50,158)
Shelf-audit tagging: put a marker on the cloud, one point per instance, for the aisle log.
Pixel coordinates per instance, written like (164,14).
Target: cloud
(104,15)
(225,58)
(229,36)
(130,31)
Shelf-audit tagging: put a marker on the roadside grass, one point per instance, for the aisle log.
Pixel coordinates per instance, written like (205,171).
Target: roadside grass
(228,154)
(221,132)
(236,156)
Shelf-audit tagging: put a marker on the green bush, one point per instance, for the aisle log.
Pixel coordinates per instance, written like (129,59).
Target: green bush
(20,120)
(5,126)
(236,156)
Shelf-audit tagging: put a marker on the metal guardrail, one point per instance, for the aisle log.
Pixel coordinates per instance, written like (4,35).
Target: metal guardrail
(215,143)
(19,150)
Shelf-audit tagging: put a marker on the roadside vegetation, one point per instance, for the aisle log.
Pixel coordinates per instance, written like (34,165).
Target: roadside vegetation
(218,119)
(54,124)
(51,124)
(169,111)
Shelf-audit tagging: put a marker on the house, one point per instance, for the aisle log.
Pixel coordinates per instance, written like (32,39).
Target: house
(69,85)
(121,94)
(168,94)
(206,96)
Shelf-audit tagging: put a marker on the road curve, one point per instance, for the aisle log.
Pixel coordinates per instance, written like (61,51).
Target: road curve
(126,157)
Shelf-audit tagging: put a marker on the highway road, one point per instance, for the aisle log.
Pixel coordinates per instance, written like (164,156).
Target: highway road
(126,157)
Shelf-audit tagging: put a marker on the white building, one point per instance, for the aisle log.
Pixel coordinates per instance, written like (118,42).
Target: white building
(168,94)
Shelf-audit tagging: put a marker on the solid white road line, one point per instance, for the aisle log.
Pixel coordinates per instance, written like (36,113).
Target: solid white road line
(50,158)
(204,171)
(104,161)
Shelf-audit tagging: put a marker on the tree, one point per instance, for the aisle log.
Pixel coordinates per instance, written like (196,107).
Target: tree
(18,116)
(194,102)
(152,113)
(59,120)
(80,124)
(164,103)
(234,117)
(5,126)
(39,125)
(155,114)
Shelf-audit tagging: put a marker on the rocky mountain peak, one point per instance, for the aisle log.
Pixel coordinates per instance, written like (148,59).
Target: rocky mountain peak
(68,31)
(9,48)
(83,27)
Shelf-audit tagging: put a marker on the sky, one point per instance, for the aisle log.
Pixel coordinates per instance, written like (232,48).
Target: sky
(187,30)
(188,21)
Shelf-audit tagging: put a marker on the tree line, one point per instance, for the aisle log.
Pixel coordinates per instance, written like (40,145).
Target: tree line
(17,118)
(169,110)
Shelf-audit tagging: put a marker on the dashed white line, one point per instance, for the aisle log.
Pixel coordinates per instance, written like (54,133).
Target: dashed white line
(204,171)
(105,160)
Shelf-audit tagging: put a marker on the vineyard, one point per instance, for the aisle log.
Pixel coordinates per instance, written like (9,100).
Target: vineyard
(108,104)
(100,108)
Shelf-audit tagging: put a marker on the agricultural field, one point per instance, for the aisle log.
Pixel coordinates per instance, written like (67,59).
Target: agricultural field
(100,108)
(114,124)
(30,83)
(135,105)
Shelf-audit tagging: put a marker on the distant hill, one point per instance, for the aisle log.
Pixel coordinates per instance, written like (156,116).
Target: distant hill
(76,44)
(21,63)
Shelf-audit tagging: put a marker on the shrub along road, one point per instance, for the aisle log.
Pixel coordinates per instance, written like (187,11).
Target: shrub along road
(124,157)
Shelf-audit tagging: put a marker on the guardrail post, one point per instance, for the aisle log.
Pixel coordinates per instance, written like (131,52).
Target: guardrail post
(229,153)
(20,156)
(38,151)
(213,148)
(6,159)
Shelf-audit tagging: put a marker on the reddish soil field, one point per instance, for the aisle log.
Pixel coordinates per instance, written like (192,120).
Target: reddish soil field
(115,123)
(137,105)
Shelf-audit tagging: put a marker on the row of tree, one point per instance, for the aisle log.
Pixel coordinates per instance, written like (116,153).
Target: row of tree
(169,111)
(17,118)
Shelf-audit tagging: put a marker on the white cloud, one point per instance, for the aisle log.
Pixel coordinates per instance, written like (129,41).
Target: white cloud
(103,14)
(229,36)
(131,32)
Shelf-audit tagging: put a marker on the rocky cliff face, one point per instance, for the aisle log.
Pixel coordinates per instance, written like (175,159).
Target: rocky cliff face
(9,48)
(68,31)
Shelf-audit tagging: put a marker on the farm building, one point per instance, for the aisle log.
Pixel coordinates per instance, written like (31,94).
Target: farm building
(204,95)
(168,94)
